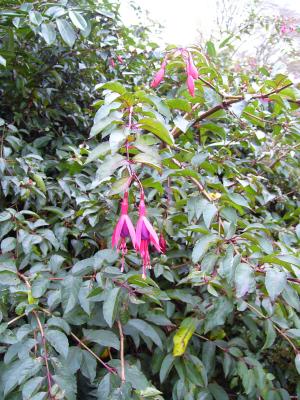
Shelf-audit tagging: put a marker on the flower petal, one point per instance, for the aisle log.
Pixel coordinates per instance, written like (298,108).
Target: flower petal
(153,235)
(117,232)
(131,230)
(138,233)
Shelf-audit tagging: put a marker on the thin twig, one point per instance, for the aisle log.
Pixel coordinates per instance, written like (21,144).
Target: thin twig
(49,376)
(281,333)
(15,319)
(44,342)
(110,369)
(123,378)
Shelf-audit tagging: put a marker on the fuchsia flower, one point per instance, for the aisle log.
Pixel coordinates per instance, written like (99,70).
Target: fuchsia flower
(123,229)
(191,85)
(120,59)
(191,68)
(192,72)
(162,243)
(159,76)
(145,234)
(112,62)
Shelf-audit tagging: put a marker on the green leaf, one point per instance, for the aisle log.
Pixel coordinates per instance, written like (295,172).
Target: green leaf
(114,86)
(18,372)
(35,17)
(59,323)
(166,367)
(147,330)
(183,335)
(202,246)
(238,199)
(102,337)
(297,363)
(211,49)
(39,287)
(209,212)
(67,32)
(244,279)
(31,387)
(2,61)
(147,159)
(270,334)
(111,305)
(59,341)
(48,33)
(275,282)
(158,129)
(88,365)
(109,165)
(217,391)
(181,123)
(179,104)
(78,20)
(8,244)
(100,150)
(217,316)
(117,139)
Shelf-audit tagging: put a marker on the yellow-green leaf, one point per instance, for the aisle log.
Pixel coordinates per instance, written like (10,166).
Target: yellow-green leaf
(183,335)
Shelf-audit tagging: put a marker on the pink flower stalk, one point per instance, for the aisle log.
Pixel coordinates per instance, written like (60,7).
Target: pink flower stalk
(145,234)
(191,85)
(159,76)
(191,68)
(120,59)
(123,229)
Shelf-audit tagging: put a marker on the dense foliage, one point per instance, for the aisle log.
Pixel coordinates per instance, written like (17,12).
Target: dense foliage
(217,316)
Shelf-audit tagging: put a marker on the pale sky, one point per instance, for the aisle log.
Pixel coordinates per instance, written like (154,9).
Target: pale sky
(182,18)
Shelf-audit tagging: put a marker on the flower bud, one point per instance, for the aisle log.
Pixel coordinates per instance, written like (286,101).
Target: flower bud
(162,243)
(191,85)
(158,77)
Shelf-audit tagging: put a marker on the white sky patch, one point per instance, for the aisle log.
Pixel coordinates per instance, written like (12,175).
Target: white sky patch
(183,18)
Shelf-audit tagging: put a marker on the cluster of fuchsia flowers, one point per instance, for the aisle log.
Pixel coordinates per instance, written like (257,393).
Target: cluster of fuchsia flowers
(144,234)
(141,237)
(191,70)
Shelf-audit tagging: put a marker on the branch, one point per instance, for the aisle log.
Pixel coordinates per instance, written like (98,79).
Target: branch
(194,180)
(225,104)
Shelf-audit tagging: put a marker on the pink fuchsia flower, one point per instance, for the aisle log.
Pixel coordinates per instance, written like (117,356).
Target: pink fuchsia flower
(159,76)
(123,229)
(162,243)
(145,234)
(191,68)
(112,63)
(120,59)
(191,85)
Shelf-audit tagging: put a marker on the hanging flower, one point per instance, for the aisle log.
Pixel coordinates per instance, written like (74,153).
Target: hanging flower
(123,229)
(159,76)
(162,243)
(120,59)
(191,68)
(191,85)
(145,234)
(112,62)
